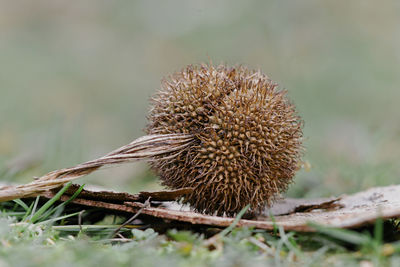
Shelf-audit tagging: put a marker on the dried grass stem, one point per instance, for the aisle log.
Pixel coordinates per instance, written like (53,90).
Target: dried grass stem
(147,147)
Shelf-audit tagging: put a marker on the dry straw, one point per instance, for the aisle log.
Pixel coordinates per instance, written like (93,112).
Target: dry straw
(144,148)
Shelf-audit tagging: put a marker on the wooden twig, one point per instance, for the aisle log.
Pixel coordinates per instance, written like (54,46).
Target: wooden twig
(121,197)
(146,204)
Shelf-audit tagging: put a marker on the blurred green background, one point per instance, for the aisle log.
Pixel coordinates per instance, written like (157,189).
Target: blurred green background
(75,80)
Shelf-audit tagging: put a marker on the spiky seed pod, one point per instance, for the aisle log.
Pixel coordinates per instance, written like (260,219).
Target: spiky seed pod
(247,136)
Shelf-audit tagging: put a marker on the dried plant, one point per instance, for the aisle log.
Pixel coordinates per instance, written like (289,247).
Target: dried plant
(247,137)
(227,133)
(143,148)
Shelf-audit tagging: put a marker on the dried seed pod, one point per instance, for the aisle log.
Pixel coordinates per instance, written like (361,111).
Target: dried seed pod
(247,137)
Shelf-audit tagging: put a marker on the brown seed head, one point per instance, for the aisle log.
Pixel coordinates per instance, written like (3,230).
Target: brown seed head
(247,137)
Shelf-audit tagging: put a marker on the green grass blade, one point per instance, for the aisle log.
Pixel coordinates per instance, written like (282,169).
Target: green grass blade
(59,218)
(94,228)
(22,204)
(275,226)
(49,203)
(35,206)
(62,205)
(378,230)
(14,213)
(289,242)
(28,212)
(235,222)
(342,234)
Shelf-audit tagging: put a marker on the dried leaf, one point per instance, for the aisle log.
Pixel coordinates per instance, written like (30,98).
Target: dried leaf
(347,211)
